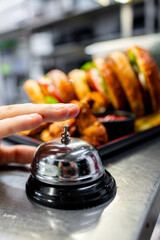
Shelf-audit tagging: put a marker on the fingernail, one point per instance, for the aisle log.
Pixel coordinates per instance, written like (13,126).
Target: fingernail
(70,105)
(58,105)
(74,111)
(33,115)
(63,105)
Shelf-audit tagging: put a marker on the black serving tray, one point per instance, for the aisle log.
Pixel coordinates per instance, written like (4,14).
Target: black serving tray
(107,149)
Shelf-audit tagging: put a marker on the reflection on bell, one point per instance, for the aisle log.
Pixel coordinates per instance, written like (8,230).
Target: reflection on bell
(68,174)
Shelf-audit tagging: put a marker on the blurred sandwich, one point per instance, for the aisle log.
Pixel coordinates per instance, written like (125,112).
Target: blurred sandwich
(129,81)
(124,81)
(53,88)
(148,73)
(113,86)
(63,86)
(34,92)
(88,85)
(79,79)
(48,90)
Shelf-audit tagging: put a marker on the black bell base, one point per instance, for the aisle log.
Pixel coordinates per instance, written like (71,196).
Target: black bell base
(72,197)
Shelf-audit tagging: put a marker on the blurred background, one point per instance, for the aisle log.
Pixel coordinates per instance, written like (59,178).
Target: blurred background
(39,35)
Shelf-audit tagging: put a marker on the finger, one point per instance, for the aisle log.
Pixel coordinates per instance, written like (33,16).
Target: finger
(49,112)
(13,125)
(18,154)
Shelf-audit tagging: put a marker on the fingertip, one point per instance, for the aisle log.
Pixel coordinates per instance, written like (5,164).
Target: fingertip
(73,110)
(30,121)
(59,112)
(35,118)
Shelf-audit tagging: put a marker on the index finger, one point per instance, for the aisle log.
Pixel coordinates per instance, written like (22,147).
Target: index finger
(49,112)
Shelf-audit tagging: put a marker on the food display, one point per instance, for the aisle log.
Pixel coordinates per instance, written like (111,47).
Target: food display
(127,81)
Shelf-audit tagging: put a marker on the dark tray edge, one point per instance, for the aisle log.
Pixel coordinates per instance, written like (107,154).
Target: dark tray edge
(128,140)
(108,148)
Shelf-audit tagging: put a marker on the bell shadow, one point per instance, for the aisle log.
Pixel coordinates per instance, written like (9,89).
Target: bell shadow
(68,222)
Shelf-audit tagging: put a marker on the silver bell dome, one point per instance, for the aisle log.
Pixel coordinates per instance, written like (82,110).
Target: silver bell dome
(66,161)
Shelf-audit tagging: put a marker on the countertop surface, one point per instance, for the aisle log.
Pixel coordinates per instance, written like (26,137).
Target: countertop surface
(131,215)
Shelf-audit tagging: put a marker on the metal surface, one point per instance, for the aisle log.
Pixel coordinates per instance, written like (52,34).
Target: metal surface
(130,216)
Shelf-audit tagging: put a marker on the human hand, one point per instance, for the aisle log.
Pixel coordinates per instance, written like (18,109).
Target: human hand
(22,117)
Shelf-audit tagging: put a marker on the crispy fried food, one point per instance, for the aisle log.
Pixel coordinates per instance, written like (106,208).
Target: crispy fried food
(26,133)
(46,136)
(39,129)
(96,81)
(34,92)
(63,86)
(129,82)
(98,102)
(149,71)
(85,126)
(95,134)
(80,84)
(35,131)
(88,126)
(56,128)
(114,89)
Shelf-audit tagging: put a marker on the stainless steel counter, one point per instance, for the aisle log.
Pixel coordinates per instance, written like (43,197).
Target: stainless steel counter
(130,216)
